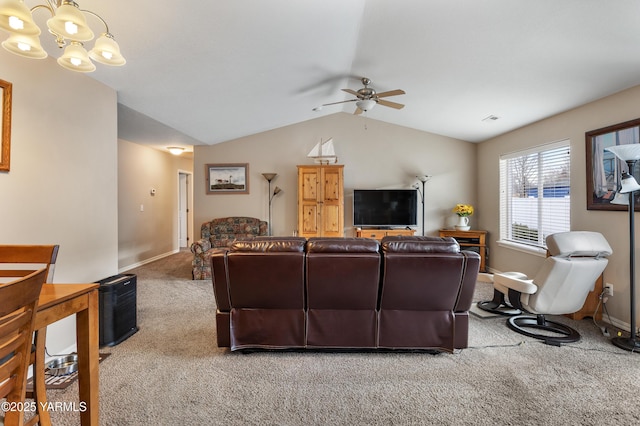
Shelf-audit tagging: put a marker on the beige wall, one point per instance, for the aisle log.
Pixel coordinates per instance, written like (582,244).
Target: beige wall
(152,233)
(375,155)
(613,225)
(62,187)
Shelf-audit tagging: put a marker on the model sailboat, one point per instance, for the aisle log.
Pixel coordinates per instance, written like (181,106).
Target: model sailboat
(323,152)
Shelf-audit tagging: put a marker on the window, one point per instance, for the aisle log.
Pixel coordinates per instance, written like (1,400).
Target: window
(535,197)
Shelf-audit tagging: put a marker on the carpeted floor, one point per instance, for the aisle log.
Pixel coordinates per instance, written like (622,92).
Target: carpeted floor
(172,373)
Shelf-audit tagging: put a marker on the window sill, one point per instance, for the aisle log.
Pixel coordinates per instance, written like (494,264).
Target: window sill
(536,251)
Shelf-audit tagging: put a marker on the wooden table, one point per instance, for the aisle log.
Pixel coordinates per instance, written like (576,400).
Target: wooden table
(58,301)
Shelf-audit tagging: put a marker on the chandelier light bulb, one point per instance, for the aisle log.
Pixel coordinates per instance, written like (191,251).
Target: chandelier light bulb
(16,23)
(70,28)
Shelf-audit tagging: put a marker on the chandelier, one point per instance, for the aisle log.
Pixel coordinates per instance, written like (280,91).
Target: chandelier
(68,25)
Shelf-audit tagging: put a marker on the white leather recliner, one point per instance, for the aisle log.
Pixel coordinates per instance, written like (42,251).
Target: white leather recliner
(577,259)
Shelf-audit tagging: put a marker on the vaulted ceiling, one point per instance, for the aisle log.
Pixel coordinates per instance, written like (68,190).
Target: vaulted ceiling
(204,72)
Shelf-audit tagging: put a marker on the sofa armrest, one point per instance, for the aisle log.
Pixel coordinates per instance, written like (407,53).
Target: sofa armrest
(200,247)
(468,283)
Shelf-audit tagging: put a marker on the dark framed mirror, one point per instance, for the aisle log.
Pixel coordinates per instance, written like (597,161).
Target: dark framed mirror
(604,168)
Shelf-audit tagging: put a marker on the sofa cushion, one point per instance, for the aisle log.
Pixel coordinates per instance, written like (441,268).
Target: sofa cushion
(418,244)
(342,245)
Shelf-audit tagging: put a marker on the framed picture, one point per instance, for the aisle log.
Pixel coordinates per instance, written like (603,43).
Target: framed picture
(604,169)
(227,178)
(5,125)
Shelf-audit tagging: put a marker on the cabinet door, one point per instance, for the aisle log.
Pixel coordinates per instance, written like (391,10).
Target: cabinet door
(308,201)
(332,210)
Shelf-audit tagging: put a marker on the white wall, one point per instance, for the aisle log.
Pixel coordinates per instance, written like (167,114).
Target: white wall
(613,225)
(375,155)
(62,187)
(152,233)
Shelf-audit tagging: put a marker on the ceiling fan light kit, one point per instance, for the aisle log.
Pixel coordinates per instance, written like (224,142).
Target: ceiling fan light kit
(68,25)
(366,105)
(367,98)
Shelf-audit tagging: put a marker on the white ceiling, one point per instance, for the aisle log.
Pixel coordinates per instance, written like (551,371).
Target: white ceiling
(212,71)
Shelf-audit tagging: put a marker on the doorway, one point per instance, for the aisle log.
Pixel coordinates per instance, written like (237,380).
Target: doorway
(185,210)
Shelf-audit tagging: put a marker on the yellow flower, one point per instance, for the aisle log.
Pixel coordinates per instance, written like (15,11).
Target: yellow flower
(463,209)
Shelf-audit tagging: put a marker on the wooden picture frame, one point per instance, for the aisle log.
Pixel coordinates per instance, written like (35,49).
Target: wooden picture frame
(227,178)
(604,169)
(5,125)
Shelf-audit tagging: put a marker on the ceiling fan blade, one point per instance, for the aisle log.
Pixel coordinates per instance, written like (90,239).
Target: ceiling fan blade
(391,93)
(390,104)
(351,92)
(340,102)
(358,111)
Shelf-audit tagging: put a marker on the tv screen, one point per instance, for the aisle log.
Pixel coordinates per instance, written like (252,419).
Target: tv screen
(385,207)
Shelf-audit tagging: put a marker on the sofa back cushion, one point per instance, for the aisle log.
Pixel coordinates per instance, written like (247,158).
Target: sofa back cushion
(418,244)
(268,245)
(223,231)
(427,273)
(342,273)
(267,272)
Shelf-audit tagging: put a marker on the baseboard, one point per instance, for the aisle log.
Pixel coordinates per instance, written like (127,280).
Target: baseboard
(144,262)
(625,326)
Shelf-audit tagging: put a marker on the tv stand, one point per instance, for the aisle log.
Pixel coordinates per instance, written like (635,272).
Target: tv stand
(381,232)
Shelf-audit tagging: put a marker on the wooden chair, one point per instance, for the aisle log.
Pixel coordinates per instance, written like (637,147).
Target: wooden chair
(18,261)
(18,304)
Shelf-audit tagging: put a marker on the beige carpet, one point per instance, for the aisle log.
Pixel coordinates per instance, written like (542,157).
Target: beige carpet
(172,373)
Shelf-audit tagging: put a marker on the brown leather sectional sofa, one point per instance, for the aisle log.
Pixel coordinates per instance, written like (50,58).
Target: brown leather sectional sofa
(343,293)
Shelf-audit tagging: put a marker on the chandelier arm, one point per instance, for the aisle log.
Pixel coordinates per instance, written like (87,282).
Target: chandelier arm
(44,6)
(100,18)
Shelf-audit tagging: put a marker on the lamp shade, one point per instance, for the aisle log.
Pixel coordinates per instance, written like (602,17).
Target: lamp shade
(15,17)
(106,51)
(628,184)
(622,199)
(70,22)
(366,105)
(75,58)
(628,152)
(25,45)
(269,176)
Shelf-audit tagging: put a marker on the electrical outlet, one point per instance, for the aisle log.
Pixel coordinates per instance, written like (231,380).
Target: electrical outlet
(608,290)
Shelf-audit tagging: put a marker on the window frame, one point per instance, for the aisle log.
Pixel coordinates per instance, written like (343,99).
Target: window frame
(506,207)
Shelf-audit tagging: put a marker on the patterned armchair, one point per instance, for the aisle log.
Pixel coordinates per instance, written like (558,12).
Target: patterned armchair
(220,233)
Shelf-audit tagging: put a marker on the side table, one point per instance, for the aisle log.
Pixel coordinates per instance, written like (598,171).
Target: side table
(470,240)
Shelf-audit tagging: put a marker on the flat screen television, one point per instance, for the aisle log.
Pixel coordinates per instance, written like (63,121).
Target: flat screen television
(385,207)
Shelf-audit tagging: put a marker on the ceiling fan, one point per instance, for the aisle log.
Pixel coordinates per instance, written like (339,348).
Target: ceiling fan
(367,98)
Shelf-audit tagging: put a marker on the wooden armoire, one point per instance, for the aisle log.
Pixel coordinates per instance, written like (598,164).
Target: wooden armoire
(320,201)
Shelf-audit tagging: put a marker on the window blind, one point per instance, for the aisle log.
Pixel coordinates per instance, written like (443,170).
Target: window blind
(535,196)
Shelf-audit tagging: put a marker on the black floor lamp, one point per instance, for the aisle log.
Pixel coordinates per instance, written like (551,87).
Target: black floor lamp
(269,177)
(423,179)
(629,153)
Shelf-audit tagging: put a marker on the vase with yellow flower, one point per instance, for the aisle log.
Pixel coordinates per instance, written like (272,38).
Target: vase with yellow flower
(463,211)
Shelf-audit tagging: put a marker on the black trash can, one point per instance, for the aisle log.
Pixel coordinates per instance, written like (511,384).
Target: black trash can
(118,308)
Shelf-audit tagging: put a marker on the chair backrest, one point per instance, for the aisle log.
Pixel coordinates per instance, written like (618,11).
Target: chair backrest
(577,259)
(15,259)
(18,304)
